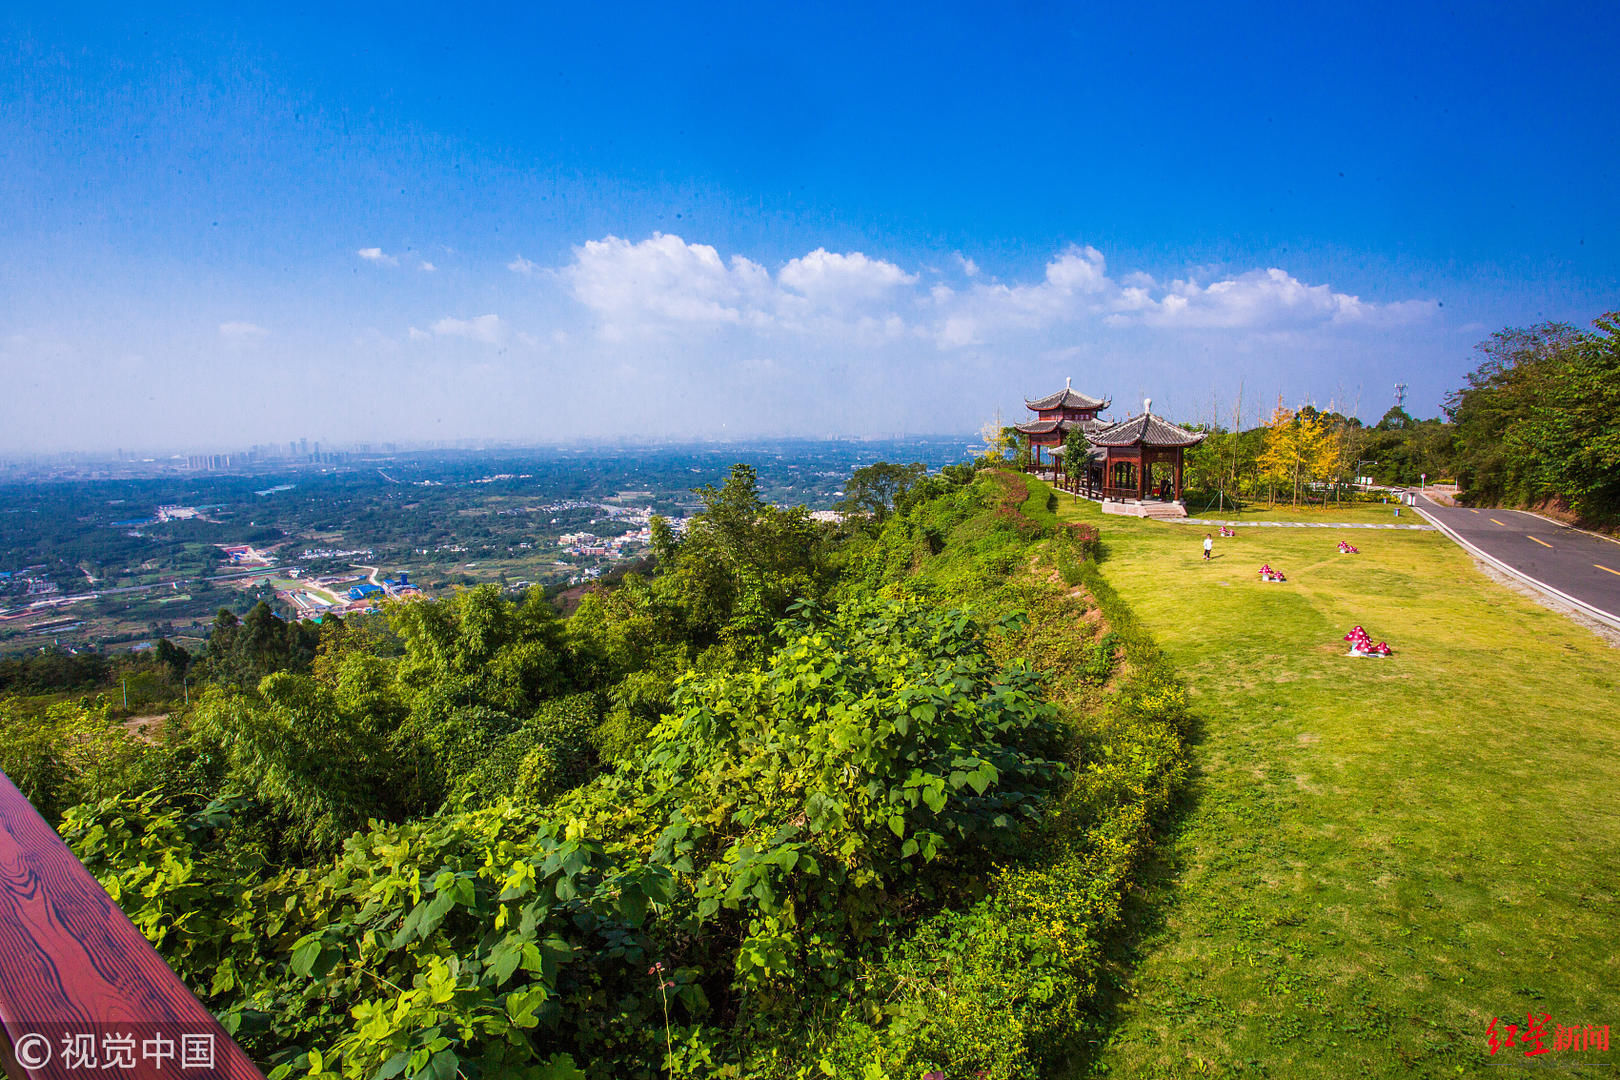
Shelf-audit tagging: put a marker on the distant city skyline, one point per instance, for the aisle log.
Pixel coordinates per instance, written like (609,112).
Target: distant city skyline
(545,227)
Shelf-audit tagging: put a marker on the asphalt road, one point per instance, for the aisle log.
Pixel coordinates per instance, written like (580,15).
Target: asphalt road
(1575,563)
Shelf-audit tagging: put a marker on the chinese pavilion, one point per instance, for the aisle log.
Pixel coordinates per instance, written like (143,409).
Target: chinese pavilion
(1122,455)
(1130,449)
(1055,416)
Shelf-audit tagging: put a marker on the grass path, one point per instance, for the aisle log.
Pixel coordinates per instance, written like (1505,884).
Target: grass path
(1375,857)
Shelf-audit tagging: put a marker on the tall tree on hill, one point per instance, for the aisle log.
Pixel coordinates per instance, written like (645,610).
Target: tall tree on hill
(1396,419)
(477,648)
(241,652)
(741,562)
(878,489)
(174,658)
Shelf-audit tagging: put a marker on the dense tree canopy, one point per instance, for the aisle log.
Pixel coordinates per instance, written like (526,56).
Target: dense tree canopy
(1539,418)
(243,651)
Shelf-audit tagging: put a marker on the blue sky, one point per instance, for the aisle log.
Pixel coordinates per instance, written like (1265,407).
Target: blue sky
(228,225)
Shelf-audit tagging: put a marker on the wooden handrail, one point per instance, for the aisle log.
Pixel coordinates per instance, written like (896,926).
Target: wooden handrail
(77,980)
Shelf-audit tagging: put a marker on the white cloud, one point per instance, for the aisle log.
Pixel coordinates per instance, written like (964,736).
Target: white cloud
(827,276)
(242,331)
(377,255)
(520,265)
(1256,298)
(664,283)
(426,267)
(1074,286)
(1077,287)
(418,335)
(1259,299)
(665,280)
(488,329)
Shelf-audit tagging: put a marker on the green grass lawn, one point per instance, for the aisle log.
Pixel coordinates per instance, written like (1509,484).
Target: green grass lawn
(1345,512)
(1375,857)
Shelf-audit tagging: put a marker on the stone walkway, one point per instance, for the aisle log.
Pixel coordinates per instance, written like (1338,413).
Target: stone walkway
(1298,524)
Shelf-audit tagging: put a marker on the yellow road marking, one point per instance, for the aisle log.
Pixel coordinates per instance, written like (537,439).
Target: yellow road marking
(1543,543)
(1471,510)
(1600,566)
(1501,523)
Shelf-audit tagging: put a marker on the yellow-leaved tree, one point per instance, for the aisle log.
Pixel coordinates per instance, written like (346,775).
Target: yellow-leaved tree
(1274,463)
(1337,457)
(1299,447)
(996,441)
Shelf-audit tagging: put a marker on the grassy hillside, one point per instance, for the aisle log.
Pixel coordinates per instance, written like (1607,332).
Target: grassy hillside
(1374,858)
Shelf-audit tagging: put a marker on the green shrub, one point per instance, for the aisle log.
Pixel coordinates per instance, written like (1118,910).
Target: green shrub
(636,703)
(308,755)
(1100,664)
(488,943)
(1002,987)
(782,823)
(63,753)
(548,754)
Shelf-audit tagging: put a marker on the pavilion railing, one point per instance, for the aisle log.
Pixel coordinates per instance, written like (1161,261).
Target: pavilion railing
(80,986)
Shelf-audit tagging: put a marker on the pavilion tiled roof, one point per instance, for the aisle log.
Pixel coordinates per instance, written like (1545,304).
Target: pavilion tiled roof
(1146,429)
(1046,427)
(1067,398)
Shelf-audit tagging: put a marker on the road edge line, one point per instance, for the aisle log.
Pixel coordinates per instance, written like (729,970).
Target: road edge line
(1571,528)
(1580,605)
(1543,517)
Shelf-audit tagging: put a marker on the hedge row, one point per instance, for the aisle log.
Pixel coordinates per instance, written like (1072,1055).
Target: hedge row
(1003,989)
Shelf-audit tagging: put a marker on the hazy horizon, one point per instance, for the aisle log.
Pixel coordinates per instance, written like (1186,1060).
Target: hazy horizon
(471,445)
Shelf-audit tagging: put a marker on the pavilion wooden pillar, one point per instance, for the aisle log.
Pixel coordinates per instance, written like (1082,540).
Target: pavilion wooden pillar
(1179,455)
(1141,461)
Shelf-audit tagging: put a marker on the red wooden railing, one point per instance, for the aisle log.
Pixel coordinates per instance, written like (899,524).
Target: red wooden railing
(82,992)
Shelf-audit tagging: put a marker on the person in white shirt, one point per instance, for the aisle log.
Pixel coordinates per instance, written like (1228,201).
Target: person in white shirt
(1209,546)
